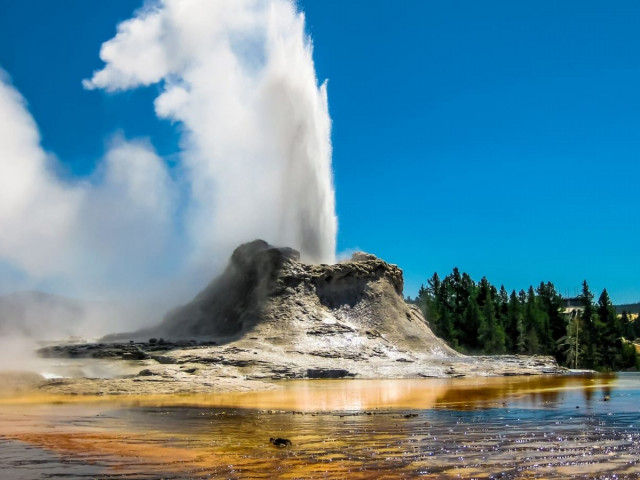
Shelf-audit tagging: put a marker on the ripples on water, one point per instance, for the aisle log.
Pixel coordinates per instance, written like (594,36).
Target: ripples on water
(538,427)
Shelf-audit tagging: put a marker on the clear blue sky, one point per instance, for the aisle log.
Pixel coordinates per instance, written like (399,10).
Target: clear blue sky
(500,137)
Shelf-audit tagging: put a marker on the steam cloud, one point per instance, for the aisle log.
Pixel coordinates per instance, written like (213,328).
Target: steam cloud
(238,79)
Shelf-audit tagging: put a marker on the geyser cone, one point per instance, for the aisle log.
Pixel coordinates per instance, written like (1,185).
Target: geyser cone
(267,294)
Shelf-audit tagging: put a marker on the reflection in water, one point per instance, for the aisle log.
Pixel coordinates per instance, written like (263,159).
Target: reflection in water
(469,428)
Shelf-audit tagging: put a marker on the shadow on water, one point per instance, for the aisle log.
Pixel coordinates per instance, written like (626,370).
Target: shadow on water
(514,427)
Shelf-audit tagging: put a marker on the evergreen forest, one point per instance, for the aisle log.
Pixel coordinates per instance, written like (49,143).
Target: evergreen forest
(480,318)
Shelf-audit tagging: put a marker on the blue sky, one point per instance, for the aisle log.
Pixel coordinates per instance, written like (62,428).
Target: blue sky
(498,137)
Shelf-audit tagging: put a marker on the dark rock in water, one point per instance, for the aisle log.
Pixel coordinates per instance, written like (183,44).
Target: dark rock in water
(328,373)
(280,442)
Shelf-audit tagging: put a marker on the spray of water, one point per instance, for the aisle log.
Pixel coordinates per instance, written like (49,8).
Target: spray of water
(238,80)
(239,76)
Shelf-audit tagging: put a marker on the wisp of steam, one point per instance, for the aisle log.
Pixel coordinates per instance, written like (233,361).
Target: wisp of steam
(238,81)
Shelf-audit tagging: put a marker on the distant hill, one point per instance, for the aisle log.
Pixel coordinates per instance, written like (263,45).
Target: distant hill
(44,316)
(628,307)
(40,314)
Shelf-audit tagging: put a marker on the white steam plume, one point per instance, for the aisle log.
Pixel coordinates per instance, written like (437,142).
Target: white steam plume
(99,238)
(83,232)
(238,77)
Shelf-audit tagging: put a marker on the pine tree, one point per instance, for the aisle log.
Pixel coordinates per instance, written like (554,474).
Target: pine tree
(534,324)
(589,329)
(490,334)
(521,343)
(610,332)
(447,331)
(473,320)
(429,302)
(513,317)
(627,326)
(502,306)
(462,287)
(556,322)
(521,324)
(569,344)
(636,326)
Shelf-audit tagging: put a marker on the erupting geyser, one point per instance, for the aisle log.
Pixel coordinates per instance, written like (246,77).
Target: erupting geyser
(237,78)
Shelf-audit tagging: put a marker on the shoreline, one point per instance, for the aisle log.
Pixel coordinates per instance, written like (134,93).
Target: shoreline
(354,396)
(30,388)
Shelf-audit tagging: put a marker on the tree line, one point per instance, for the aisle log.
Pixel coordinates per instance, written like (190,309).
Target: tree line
(479,318)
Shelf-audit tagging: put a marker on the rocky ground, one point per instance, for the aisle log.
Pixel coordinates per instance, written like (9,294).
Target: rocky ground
(271,317)
(249,367)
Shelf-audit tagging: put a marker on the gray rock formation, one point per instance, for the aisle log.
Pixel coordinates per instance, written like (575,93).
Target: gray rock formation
(267,293)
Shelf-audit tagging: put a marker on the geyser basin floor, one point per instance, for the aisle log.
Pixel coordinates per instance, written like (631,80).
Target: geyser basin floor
(519,427)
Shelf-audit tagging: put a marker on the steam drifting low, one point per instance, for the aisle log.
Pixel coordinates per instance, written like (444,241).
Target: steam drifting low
(238,79)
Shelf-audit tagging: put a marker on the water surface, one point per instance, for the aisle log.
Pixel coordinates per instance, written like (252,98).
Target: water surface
(513,427)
